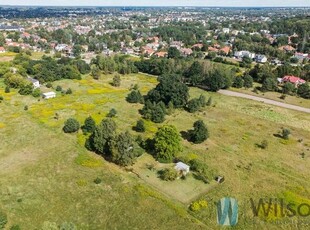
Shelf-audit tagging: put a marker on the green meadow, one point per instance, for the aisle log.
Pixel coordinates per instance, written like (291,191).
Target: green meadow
(47,177)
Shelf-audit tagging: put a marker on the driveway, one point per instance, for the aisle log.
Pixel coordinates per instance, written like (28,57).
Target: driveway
(264,100)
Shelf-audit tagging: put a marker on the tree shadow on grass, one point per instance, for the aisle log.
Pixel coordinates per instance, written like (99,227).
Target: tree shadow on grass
(277,135)
(186,135)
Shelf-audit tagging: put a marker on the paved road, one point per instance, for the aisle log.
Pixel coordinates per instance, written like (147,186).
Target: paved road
(267,101)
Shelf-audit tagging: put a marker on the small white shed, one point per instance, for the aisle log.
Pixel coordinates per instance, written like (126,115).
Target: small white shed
(49,95)
(35,82)
(181,167)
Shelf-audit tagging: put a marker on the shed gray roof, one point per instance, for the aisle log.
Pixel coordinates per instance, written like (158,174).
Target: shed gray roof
(182,166)
(32,80)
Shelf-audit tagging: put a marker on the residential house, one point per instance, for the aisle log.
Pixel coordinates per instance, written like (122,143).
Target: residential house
(225,50)
(60,47)
(261,58)
(212,49)
(226,30)
(2,49)
(186,52)
(153,39)
(197,46)
(25,35)
(153,45)
(126,50)
(244,53)
(276,62)
(177,44)
(147,51)
(161,54)
(301,56)
(14,44)
(287,48)
(292,79)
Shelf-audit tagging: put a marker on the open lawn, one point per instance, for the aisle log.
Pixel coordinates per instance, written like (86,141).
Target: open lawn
(46,175)
(38,55)
(7,56)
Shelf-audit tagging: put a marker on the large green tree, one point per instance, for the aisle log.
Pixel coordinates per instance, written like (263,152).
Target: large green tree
(167,143)
(170,88)
(219,79)
(195,73)
(173,52)
(122,149)
(71,126)
(269,84)
(89,125)
(134,97)
(248,81)
(102,135)
(304,91)
(200,132)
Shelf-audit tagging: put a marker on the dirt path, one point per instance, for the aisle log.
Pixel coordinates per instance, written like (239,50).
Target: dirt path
(264,100)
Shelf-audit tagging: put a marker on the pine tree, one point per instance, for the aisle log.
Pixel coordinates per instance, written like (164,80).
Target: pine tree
(116,80)
(89,125)
(140,126)
(200,132)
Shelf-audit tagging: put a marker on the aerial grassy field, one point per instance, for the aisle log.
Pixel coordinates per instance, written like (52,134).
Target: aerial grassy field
(47,177)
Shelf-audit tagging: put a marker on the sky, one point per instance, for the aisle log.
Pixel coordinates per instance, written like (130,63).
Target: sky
(158,2)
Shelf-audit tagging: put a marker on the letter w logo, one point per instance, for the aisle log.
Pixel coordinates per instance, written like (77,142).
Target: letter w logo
(227,211)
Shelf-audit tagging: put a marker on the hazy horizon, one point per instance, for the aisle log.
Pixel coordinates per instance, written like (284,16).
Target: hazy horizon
(172,3)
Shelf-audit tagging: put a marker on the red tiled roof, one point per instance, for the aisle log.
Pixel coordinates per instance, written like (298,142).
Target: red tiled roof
(225,49)
(199,45)
(161,54)
(287,48)
(147,50)
(293,79)
(212,49)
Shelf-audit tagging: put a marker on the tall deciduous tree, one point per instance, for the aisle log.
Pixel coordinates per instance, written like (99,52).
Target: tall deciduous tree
(269,84)
(219,79)
(71,126)
(248,81)
(95,72)
(167,143)
(238,82)
(122,149)
(304,91)
(173,52)
(194,73)
(170,88)
(102,135)
(116,80)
